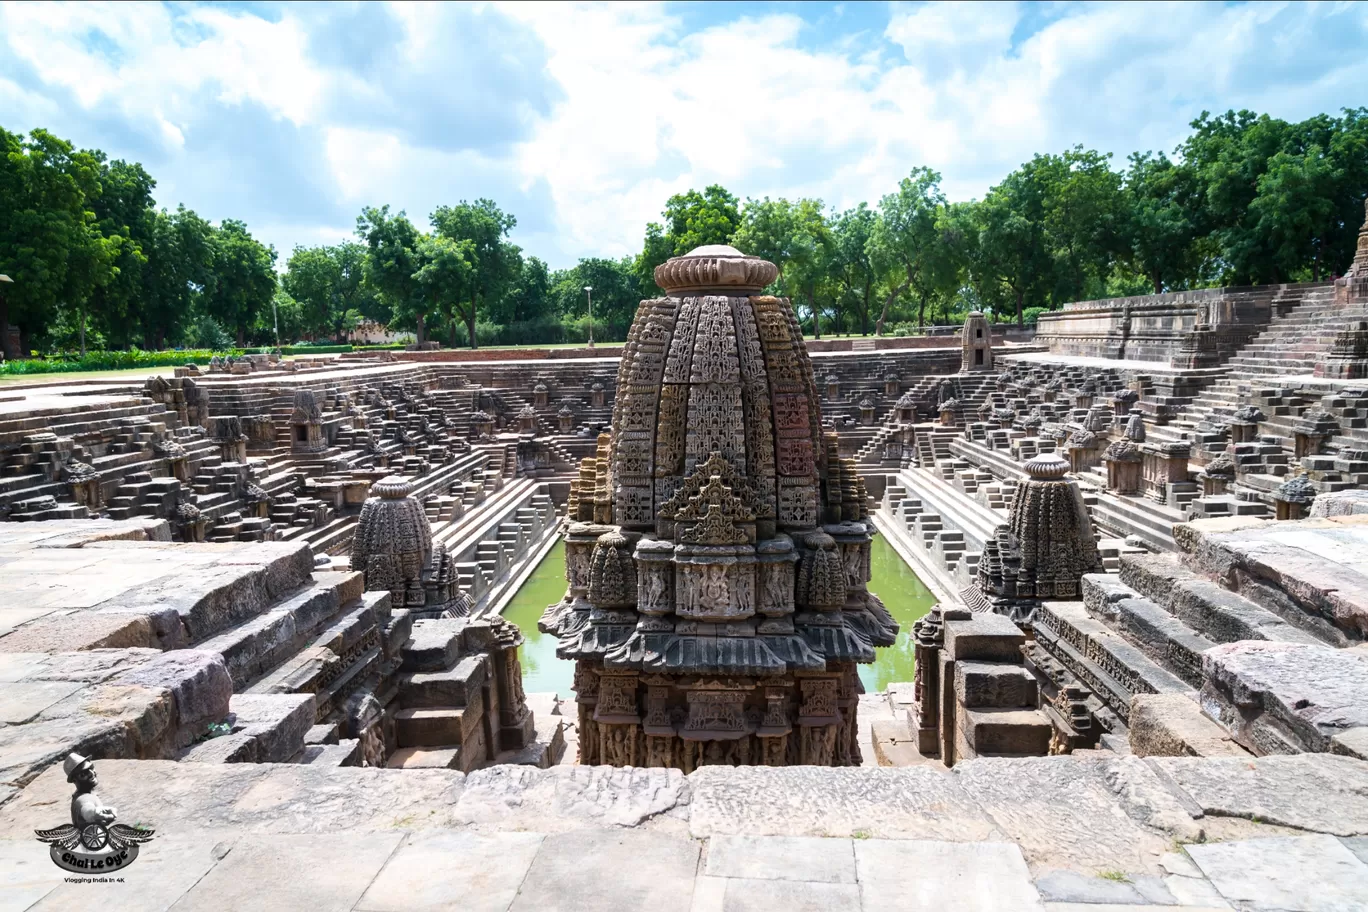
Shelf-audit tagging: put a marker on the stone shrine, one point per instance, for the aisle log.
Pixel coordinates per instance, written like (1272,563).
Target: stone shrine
(978,344)
(717,614)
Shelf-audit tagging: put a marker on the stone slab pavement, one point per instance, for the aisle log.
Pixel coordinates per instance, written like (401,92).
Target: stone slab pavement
(1065,834)
(626,870)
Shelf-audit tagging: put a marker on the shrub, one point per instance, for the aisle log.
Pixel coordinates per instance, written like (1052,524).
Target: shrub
(111,360)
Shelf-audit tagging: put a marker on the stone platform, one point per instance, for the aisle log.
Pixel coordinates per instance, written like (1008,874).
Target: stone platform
(1068,834)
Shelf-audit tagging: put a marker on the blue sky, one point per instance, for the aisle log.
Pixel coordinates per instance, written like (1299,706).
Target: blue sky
(583,119)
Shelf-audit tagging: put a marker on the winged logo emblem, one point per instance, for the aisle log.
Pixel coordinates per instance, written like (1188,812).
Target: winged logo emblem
(92,842)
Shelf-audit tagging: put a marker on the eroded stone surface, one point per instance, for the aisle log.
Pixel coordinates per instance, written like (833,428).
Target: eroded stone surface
(1316,792)
(260,798)
(1310,873)
(566,797)
(917,802)
(1083,814)
(1278,697)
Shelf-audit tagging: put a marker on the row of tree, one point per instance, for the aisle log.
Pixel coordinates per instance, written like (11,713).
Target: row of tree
(89,255)
(1244,199)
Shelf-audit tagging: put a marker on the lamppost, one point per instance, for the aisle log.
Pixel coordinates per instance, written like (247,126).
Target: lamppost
(589,293)
(275,321)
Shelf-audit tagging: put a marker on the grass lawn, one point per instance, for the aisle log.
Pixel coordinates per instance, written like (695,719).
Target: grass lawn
(9,380)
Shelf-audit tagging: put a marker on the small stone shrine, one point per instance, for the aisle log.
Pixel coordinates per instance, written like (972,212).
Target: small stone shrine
(978,344)
(393,547)
(718,551)
(1043,550)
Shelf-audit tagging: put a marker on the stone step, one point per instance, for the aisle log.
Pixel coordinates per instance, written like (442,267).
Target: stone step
(448,688)
(267,728)
(1164,638)
(435,727)
(439,757)
(1204,606)
(434,645)
(1007,732)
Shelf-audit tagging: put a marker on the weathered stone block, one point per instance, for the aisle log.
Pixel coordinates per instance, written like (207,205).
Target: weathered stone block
(985,637)
(985,684)
(1012,732)
(1285,697)
(1172,725)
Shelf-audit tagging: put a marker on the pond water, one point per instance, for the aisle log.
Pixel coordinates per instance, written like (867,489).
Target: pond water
(542,671)
(891,579)
(907,599)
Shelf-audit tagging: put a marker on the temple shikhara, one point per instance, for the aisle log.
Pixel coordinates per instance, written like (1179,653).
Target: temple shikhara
(1072,616)
(718,557)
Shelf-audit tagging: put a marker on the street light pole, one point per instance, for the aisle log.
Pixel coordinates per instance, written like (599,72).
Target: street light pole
(589,292)
(275,321)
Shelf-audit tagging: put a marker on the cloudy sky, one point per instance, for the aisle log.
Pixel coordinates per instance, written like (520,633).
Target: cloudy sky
(582,120)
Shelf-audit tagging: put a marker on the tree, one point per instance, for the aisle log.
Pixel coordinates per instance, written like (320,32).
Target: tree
(1165,203)
(444,275)
(794,237)
(497,263)
(1295,209)
(1084,218)
(179,269)
(123,210)
(244,279)
(393,245)
(1012,251)
(615,296)
(655,251)
(850,232)
(528,300)
(313,279)
(696,219)
(902,237)
(43,188)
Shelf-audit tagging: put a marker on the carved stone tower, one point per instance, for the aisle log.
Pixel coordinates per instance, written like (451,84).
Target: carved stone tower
(978,344)
(718,549)
(1354,285)
(394,549)
(1042,551)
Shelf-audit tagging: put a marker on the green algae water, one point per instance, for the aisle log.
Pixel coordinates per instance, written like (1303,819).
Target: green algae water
(907,599)
(542,671)
(890,579)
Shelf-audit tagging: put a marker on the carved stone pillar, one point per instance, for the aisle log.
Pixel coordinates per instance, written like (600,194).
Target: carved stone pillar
(540,395)
(1244,424)
(1124,474)
(949,413)
(1293,498)
(891,385)
(566,417)
(596,395)
(1165,464)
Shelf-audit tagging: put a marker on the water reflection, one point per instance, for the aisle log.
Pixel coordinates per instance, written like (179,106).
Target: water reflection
(908,599)
(542,671)
(891,579)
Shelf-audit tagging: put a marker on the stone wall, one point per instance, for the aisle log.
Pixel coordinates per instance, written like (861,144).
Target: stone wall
(1185,328)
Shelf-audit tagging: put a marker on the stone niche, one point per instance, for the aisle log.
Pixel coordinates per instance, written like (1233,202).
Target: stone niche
(718,549)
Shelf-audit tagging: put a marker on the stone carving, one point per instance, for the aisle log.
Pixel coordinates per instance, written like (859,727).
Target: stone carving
(715,481)
(393,547)
(1043,550)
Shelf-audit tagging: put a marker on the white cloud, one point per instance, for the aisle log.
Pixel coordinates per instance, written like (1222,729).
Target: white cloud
(583,119)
